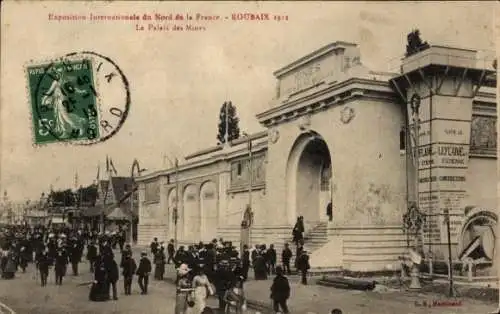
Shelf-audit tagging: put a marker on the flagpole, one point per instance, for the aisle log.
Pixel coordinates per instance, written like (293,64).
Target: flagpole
(250,183)
(105,194)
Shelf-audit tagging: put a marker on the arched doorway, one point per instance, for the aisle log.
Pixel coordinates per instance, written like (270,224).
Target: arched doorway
(309,179)
(209,213)
(191,214)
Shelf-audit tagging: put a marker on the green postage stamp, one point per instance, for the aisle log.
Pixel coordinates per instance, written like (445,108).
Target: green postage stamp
(82,98)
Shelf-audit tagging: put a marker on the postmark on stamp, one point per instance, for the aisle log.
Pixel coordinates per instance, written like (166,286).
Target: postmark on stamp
(82,98)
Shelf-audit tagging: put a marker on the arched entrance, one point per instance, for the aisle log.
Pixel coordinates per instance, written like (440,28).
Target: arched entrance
(208,206)
(309,179)
(191,214)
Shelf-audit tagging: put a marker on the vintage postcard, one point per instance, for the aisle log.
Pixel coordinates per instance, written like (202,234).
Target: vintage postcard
(249,157)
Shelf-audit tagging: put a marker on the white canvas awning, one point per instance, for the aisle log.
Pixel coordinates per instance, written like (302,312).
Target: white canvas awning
(117,214)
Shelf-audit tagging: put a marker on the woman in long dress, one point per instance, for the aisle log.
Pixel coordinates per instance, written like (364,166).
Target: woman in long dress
(99,291)
(202,289)
(11,265)
(184,289)
(159,260)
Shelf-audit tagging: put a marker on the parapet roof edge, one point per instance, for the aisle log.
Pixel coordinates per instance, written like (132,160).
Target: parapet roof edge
(316,53)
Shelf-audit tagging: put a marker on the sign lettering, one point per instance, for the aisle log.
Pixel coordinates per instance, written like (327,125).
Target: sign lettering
(443,155)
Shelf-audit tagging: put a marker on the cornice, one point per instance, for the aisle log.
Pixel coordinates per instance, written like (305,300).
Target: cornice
(222,157)
(327,97)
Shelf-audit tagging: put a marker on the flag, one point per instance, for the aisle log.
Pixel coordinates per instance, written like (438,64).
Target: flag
(112,166)
(176,163)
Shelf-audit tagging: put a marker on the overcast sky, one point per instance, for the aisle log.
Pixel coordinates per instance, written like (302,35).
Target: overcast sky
(179,80)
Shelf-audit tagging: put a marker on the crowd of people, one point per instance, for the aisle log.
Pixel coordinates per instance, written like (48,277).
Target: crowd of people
(215,268)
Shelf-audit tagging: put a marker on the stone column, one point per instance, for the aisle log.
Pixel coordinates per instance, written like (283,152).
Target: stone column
(222,204)
(163,207)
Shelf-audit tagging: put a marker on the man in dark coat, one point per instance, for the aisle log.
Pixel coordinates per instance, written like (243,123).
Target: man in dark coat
(43,264)
(61,263)
(154,246)
(210,262)
(298,230)
(170,251)
(286,256)
(75,256)
(298,253)
(224,280)
(121,239)
(180,257)
(106,250)
(259,265)
(303,266)
(52,246)
(127,251)
(92,255)
(112,274)
(159,261)
(255,252)
(143,272)
(271,260)
(25,253)
(280,291)
(329,211)
(129,268)
(245,262)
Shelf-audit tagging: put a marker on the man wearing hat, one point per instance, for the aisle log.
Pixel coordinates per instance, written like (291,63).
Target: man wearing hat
(129,267)
(126,251)
(224,280)
(154,246)
(92,254)
(143,272)
(245,261)
(75,255)
(170,251)
(303,266)
(61,262)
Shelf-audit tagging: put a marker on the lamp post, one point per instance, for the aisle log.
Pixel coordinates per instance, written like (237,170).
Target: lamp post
(135,166)
(414,218)
(450,270)
(250,186)
(415,107)
(175,213)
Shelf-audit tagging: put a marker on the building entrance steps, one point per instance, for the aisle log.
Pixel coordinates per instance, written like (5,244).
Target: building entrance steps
(314,238)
